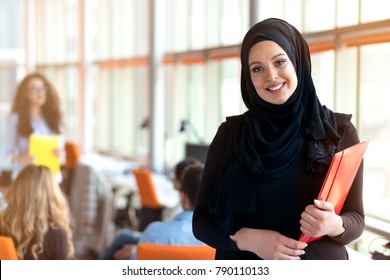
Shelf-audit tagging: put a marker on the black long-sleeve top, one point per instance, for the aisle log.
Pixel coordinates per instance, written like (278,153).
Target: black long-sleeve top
(279,205)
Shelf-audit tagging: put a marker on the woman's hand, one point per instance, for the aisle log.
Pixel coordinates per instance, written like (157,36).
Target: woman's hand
(125,252)
(58,152)
(320,219)
(268,244)
(23,159)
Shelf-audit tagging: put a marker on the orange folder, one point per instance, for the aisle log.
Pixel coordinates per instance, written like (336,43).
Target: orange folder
(338,180)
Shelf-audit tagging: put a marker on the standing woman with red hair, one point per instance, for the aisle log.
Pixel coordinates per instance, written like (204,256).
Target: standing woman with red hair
(35,110)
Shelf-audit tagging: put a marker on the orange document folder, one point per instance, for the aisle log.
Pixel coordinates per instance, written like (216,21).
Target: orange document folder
(338,180)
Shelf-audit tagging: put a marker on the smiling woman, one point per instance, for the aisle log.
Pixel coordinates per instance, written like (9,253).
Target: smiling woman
(265,167)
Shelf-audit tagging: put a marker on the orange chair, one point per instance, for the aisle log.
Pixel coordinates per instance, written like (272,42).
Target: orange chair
(72,154)
(147,191)
(8,250)
(151,209)
(146,251)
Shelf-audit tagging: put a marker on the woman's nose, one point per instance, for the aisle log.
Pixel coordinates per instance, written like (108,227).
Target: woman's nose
(272,74)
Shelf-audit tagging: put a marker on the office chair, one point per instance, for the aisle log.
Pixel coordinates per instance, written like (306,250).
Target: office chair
(72,154)
(8,250)
(151,209)
(146,251)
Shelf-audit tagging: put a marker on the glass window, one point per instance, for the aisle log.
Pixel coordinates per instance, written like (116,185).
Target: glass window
(8,80)
(319,19)
(11,24)
(117,46)
(12,55)
(197,22)
(374,10)
(118,29)
(179,24)
(57,37)
(290,10)
(230,91)
(120,103)
(375,125)
(347,12)
(323,76)
(12,60)
(346,83)
(232,21)
(213,14)
(294,12)
(269,9)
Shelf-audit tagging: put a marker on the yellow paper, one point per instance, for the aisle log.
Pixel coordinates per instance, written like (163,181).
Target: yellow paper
(42,149)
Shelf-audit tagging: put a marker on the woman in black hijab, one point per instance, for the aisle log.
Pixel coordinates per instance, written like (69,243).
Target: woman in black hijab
(265,167)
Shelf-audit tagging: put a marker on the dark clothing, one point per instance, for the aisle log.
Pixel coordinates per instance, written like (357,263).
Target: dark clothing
(277,204)
(55,246)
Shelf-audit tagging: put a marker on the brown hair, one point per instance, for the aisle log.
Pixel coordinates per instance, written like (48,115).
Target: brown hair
(50,110)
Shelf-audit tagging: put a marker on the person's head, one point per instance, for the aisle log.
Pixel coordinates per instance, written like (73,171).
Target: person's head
(191,179)
(180,166)
(35,91)
(272,73)
(35,203)
(276,65)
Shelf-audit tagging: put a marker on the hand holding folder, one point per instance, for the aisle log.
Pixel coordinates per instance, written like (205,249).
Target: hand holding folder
(339,179)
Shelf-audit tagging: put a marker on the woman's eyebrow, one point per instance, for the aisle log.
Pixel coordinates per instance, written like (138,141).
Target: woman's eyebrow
(279,54)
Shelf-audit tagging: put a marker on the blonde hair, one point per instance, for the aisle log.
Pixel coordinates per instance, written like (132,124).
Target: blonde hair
(35,203)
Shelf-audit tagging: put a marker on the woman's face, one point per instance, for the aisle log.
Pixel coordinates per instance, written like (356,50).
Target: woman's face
(36,92)
(272,72)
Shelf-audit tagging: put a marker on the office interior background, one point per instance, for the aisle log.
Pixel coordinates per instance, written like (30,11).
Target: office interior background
(130,72)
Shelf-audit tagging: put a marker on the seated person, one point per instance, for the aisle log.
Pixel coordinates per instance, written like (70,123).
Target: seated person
(178,231)
(179,168)
(176,178)
(37,216)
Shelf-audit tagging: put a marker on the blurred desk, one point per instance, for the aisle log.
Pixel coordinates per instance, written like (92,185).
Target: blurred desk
(118,173)
(166,193)
(109,166)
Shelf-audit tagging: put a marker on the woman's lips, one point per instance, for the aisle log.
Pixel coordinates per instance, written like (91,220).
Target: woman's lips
(275,88)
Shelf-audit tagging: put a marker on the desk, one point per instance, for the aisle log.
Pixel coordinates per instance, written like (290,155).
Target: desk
(119,175)
(108,166)
(166,193)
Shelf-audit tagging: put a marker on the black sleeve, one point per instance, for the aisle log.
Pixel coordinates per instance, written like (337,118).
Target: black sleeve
(204,225)
(352,212)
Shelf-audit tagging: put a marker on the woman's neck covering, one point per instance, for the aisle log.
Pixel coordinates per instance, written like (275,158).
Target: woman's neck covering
(269,139)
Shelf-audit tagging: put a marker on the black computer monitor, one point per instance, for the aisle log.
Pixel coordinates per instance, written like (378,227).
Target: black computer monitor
(198,151)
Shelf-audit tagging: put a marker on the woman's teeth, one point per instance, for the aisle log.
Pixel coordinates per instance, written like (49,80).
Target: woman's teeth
(276,88)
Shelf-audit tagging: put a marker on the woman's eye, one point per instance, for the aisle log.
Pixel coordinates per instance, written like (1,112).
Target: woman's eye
(280,62)
(257,69)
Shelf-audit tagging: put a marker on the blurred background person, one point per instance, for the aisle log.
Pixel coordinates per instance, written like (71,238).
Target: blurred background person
(37,216)
(177,231)
(35,110)
(179,168)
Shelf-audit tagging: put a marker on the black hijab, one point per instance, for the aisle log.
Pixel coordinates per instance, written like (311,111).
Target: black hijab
(269,139)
